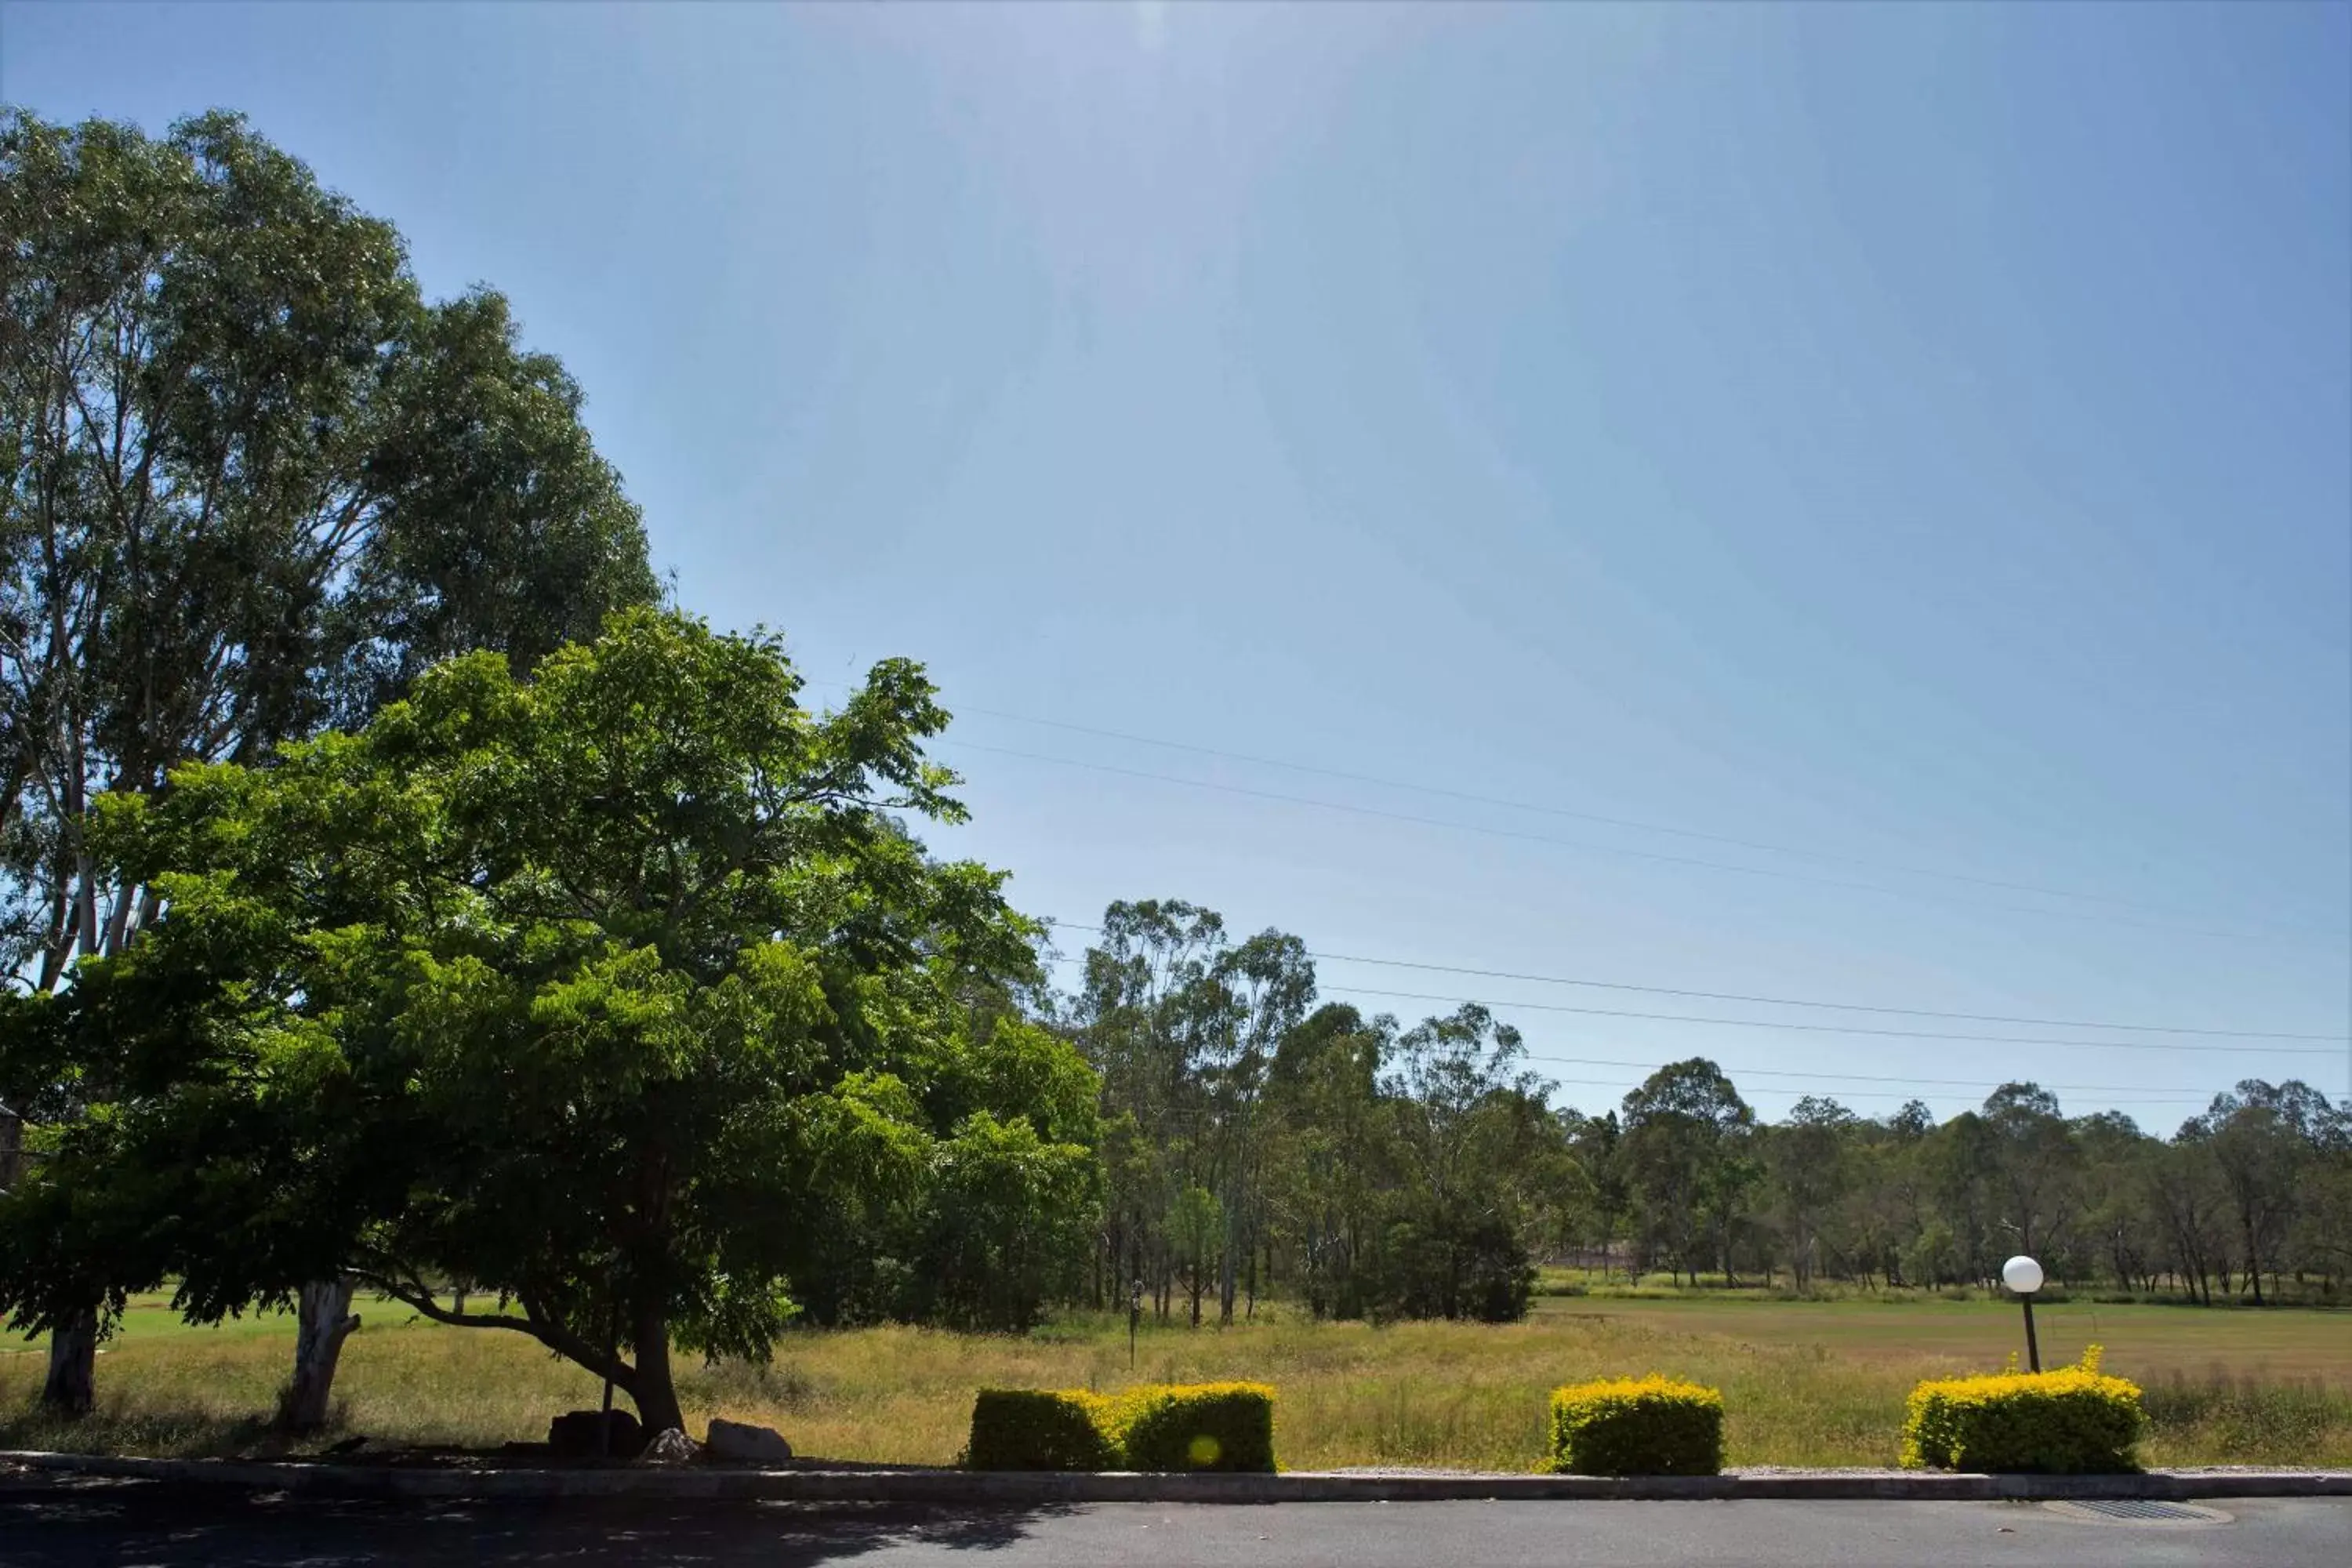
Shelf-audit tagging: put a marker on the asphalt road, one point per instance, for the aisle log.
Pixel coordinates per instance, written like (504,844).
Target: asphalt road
(133,1525)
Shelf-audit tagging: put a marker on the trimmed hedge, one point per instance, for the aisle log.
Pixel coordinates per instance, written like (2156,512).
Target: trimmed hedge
(2076,1419)
(1159,1426)
(1039,1429)
(1200,1426)
(1637,1426)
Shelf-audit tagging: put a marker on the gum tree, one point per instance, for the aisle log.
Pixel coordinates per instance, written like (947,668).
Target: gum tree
(250,484)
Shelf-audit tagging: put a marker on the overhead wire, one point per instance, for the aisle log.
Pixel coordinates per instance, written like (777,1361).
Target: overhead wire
(1835,1028)
(1648,855)
(1855,1094)
(1975,1085)
(1793,1002)
(1508,804)
(1473,797)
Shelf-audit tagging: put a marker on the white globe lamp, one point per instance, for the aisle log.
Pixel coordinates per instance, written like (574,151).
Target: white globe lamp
(2023,1275)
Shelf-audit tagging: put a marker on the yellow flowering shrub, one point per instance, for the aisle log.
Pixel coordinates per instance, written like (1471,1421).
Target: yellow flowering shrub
(1039,1429)
(1159,1427)
(1196,1427)
(2074,1419)
(1637,1426)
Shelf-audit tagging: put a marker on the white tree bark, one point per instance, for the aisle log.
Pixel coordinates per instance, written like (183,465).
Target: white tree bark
(326,1321)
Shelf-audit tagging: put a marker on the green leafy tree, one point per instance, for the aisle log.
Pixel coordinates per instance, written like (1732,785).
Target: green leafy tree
(1155,1016)
(2262,1137)
(606,990)
(1596,1144)
(2322,1236)
(1959,1171)
(2116,1232)
(2035,1168)
(1470,1128)
(250,483)
(1007,1220)
(1269,982)
(1878,1216)
(1686,1138)
(1334,1147)
(1196,1233)
(2184,1189)
(1806,1159)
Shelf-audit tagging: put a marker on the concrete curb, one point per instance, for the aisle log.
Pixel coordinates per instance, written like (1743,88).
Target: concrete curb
(958,1487)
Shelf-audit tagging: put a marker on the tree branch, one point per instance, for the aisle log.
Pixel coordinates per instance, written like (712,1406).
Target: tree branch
(547,1332)
(424,1302)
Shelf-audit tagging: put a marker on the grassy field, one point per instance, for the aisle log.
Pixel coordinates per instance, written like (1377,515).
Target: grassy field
(1804,1383)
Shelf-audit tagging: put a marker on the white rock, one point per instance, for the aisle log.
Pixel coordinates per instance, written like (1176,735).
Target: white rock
(670,1447)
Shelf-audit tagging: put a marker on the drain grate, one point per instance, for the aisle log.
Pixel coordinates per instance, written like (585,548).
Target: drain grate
(2137,1511)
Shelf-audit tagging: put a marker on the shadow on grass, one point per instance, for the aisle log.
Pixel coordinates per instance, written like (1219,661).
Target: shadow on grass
(194,1434)
(67,1527)
(198,1435)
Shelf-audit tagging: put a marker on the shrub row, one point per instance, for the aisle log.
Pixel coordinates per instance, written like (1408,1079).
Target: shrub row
(2072,1420)
(1039,1429)
(1159,1426)
(1637,1426)
(2076,1419)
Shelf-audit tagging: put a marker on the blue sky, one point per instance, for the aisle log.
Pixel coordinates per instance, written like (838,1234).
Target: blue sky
(1915,437)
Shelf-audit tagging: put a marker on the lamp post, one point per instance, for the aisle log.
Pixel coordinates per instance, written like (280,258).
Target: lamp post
(1134,1316)
(2024,1276)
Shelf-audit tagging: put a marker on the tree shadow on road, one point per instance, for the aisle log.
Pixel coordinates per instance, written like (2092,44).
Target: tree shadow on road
(73,1526)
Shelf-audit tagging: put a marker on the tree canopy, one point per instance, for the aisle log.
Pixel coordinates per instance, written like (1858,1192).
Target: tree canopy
(251,483)
(1382,1170)
(613,991)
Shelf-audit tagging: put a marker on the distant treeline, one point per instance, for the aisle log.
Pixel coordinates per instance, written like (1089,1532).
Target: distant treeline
(1257,1142)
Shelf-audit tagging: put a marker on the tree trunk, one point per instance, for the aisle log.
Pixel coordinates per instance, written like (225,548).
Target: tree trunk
(650,1383)
(1225,1281)
(12,1147)
(326,1321)
(72,1385)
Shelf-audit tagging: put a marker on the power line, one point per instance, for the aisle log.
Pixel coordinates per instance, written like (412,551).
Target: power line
(1561,811)
(1607,849)
(1829,1029)
(1794,1002)
(1855,1094)
(1507,803)
(1839,1007)
(2131,1089)
(1842,1028)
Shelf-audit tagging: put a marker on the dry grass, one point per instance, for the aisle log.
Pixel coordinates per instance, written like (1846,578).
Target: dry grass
(1803,1383)
(2150,1343)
